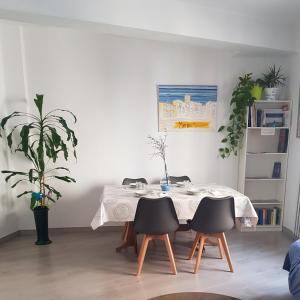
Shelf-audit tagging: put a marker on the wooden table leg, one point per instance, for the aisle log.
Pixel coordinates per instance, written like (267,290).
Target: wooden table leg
(129,238)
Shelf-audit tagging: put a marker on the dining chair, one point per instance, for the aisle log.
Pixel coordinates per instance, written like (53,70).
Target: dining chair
(128,227)
(213,217)
(155,219)
(174,180)
(127,181)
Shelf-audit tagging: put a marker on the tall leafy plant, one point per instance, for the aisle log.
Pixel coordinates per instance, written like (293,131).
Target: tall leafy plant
(41,137)
(235,129)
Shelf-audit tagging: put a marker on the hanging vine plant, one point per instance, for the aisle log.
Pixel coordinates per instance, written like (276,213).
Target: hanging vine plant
(235,129)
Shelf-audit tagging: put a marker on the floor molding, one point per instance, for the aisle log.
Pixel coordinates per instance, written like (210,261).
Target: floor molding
(9,237)
(289,233)
(26,232)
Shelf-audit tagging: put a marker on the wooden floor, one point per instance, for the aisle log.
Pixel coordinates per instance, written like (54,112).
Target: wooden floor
(84,265)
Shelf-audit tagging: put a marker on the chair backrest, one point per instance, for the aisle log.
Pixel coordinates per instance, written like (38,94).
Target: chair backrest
(127,181)
(155,216)
(175,179)
(214,215)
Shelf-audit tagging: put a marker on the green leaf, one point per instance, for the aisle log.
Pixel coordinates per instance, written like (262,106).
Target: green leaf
(9,140)
(53,190)
(32,203)
(56,139)
(65,178)
(16,183)
(4,120)
(51,199)
(65,150)
(24,134)
(12,173)
(224,140)
(39,103)
(24,193)
(221,128)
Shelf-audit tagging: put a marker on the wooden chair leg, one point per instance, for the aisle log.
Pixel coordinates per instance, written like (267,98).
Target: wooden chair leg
(125,231)
(220,248)
(226,250)
(142,254)
(202,241)
(170,253)
(196,240)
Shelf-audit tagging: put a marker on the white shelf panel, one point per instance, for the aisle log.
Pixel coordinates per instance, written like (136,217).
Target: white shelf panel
(267,127)
(267,153)
(263,203)
(272,101)
(265,179)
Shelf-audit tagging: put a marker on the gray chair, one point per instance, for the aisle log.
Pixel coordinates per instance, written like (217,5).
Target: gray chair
(128,236)
(174,180)
(155,218)
(127,181)
(213,217)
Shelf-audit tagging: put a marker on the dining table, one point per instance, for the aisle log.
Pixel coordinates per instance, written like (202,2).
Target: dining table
(118,204)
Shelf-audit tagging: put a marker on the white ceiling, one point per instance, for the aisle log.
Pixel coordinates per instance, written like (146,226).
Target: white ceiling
(278,11)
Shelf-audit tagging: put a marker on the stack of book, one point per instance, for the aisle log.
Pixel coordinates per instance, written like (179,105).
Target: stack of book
(268,117)
(268,216)
(283,140)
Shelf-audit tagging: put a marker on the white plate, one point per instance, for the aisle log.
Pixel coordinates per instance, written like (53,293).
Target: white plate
(140,193)
(193,191)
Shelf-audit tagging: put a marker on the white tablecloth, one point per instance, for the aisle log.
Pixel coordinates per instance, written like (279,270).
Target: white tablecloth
(118,203)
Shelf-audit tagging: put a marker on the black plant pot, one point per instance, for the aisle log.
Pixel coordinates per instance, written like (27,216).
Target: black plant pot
(41,224)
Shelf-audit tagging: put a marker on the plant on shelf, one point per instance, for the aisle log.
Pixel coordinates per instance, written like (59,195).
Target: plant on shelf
(271,82)
(235,129)
(41,138)
(159,145)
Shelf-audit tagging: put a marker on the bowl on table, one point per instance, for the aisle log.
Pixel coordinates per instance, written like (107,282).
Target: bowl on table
(193,191)
(140,193)
(132,185)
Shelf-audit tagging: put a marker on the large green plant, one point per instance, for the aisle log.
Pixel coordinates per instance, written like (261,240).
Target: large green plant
(235,129)
(41,138)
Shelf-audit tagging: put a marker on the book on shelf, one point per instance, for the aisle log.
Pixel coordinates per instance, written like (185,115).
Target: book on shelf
(268,117)
(283,141)
(268,216)
(276,169)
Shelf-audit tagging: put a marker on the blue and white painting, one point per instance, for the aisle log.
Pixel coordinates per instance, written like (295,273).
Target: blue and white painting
(187,107)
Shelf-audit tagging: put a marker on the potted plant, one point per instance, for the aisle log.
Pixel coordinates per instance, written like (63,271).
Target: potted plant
(272,81)
(257,89)
(40,137)
(235,129)
(159,145)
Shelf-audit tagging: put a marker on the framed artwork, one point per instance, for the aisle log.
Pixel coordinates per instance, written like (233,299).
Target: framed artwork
(187,107)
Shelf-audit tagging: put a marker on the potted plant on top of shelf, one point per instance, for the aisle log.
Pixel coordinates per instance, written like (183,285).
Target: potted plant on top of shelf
(257,89)
(41,139)
(272,81)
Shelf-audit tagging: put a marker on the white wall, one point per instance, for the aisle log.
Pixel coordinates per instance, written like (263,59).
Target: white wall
(110,83)
(178,18)
(12,96)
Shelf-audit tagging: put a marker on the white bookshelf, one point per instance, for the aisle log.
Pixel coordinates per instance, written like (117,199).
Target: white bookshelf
(256,161)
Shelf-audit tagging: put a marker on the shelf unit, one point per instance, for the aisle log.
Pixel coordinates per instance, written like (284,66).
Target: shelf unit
(256,161)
